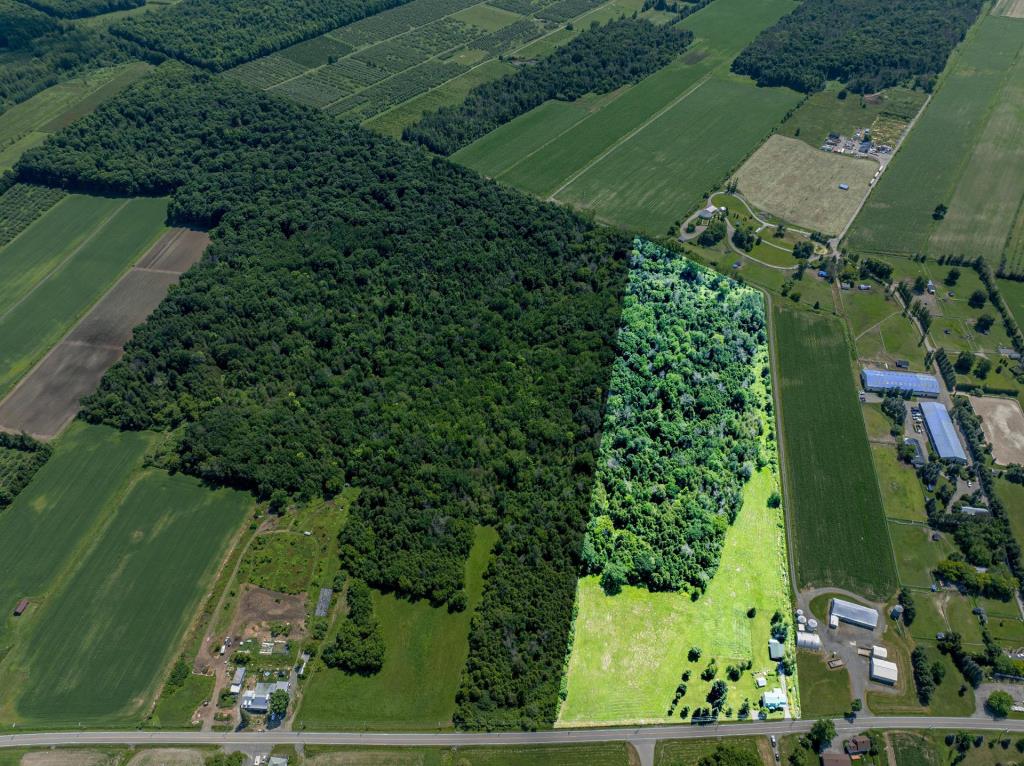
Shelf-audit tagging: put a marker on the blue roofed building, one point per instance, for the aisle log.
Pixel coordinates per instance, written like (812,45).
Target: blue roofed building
(942,432)
(917,383)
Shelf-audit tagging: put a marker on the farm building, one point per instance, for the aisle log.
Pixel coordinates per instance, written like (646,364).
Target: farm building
(919,458)
(835,759)
(854,614)
(21,607)
(805,640)
(258,700)
(708,213)
(942,432)
(971,510)
(884,671)
(776,651)
(237,680)
(774,699)
(917,383)
(857,745)
(880,652)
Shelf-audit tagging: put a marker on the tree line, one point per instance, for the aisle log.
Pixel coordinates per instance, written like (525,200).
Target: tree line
(597,60)
(867,44)
(77,9)
(372,315)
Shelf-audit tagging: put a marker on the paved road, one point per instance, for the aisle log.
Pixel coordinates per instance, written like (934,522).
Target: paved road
(557,736)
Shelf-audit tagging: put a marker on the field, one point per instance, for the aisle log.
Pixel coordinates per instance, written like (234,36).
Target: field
(426,651)
(1012,496)
(1013,294)
(603,754)
(630,649)
(1012,8)
(21,205)
(116,618)
(964,151)
(902,493)
(1003,423)
(801,185)
(281,562)
(678,752)
(823,692)
(916,553)
(832,491)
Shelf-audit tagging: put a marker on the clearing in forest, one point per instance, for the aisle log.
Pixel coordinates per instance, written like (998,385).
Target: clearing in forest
(801,185)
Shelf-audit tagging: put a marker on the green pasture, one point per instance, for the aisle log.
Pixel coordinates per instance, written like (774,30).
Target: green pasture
(1013,294)
(678,752)
(824,112)
(952,313)
(960,617)
(893,339)
(877,424)
(930,619)
(902,493)
(85,258)
(116,621)
(426,649)
(940,153)
(823,692)
(590,754)
(630,649)
(916,553)
(832,489)
(866,309)
(280,561)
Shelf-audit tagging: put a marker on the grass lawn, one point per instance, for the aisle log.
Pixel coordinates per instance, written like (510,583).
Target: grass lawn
(686,752)
(85,255)
(801,184)
(939,154)
(174,710)
(930,749)
(865,309)
(630,649)
(947,699)
(960,619)
(929,619)
(877,424)
(115,622)
(823,692)
(599,754)
(426,651)
(917,554)
(280,561)
(832,490)
(902,493)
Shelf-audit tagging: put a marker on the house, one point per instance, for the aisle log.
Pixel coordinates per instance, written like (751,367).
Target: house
(237,680)
(942,432)
(919,458)
(21,607)
(857,745)
(916,383)
(774,699)
(258,700)
(708,213)
(776,651)
(854,614)
(884,671)
(835,759)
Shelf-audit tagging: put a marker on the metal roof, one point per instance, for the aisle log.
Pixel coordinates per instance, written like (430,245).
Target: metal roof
(808,640)
(847,611)
(883,670)
(942,432)
(887,380)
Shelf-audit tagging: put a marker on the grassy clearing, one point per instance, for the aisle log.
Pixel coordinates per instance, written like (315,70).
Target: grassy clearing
(603,754)
(84,257)
(116,621)
(174,710)
(902,493)
(823,692)
(801,184)
(281,562)
(833,492)
(426,651)
(630,649)
(916,553)
(676,752)
(947,147)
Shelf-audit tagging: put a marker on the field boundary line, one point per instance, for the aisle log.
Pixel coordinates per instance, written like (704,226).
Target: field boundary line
(629,136)
(877,324)
(88,238)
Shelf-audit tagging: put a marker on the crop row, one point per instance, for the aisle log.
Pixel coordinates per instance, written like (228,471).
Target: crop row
(317,52)
(510,37)
(266,72)
(383,96)
(523,7)
(398,20)
(21,205)
(564,10)
(310,90)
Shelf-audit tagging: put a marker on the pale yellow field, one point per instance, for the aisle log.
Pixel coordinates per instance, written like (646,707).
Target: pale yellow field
(1012,8)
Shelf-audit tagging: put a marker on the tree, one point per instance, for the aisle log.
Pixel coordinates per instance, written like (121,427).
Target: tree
(920,285)
(822,732)
(712,235)
(939,212)
(694,654)
(984,323)
(964,362)
(856,706)
(952,277)
(982,368)
(803,250)
(977,299)
(279,700)
(999,704)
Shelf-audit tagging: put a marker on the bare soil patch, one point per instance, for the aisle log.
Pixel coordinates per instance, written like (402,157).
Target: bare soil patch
(259,605)
(176,251)
(166,756)
(127,305)
(1012,8)
(1003,423)
(61,757)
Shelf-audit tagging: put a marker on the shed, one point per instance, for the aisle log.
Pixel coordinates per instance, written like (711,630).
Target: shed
(776,651)
(854,614)
(810,641)
(237,680)
(916,383)
(774,699)
(879,651)
(835,759)
(323,602)
(942,432)
(857,745)
(21,607)
(884,671)
(897,611)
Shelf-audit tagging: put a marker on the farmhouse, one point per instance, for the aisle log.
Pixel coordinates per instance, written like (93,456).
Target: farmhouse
(942,432)
(884,671)
(918,459)
(237,680)
(774,699)
(258,700)
(776,651)
(708,213)
(857,745)
(916,383)
(854,614)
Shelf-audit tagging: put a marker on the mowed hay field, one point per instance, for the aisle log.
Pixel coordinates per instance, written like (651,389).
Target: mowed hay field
(965,152)
(836,509)
(61,265)
(799,184)
(646,155)
(1012,8)
(630,649)
(98,648)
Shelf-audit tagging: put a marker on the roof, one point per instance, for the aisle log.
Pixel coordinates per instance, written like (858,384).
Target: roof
(277,760)
(972,510)
(774,698)
(847,611)
(323,603)
(835,759)
(883,670)
(239,676)
(858,744)
(776,651)
(879,651)
(887,380)
(942,432)
(807,640)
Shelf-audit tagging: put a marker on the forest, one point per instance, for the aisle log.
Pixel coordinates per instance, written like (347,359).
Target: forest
(598,60)
(373,315)
(682,426)
(77,9)
(867,44)
(219,34)
(20,458)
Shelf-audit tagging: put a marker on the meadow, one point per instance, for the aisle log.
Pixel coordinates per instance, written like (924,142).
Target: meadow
(902,493)
(674,752)
(964,152)
(426,651)
(280,561)
(117,619)
(824,692)
(61,265)
(832,491)
(916,553)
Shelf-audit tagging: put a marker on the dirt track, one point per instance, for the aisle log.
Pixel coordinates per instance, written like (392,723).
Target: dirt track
(1003,423)
(46,399)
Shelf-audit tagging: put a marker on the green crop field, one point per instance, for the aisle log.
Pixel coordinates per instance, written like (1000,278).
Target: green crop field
(61,265)
(902,493)
(832,490)
(117,617)
(426,649)
(965,152)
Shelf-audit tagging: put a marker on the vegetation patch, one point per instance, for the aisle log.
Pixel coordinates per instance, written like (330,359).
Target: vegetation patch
(824,692)
(279,561)
(20,458)
(77,9)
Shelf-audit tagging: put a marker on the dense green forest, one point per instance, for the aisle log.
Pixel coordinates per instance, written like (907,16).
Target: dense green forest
(867,44)
(20,25)
(218,34)
(682,425)
(597,61)
(370,314)
(77,9)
